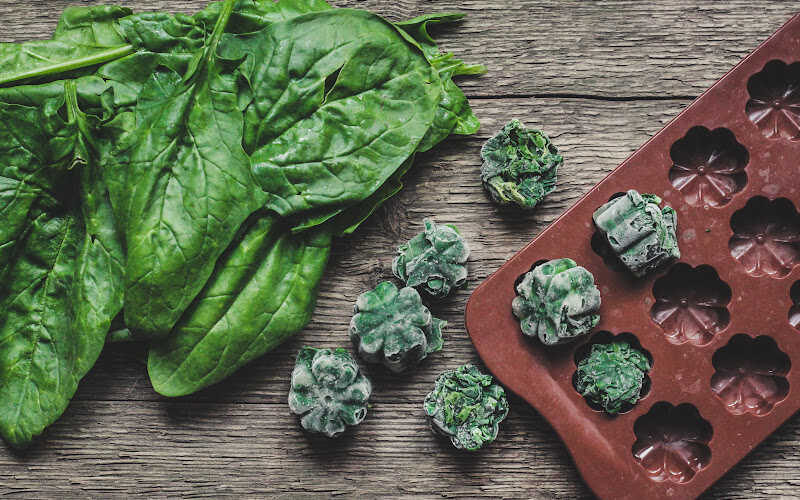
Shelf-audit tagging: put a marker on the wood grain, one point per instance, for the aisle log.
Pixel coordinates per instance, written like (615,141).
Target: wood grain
(600,77)
(669,48)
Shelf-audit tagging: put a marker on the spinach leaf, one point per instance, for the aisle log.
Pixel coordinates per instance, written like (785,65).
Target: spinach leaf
(263,290)
(38,361)
(253,15)
(22,183)
(186,187)
(62,272)
(159,39)
(85,37)
(453,114)
(335,112)
(348,220)
(95,26)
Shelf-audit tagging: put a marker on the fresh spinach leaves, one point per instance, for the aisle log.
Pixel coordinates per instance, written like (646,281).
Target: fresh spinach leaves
(317,146)
(192,171)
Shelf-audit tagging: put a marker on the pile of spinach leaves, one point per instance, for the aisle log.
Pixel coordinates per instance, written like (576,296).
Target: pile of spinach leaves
(184,176)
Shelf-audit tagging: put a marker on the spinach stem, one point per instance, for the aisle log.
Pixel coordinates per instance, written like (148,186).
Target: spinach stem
(222,23)
(74,113)
(62,67)
(205,57)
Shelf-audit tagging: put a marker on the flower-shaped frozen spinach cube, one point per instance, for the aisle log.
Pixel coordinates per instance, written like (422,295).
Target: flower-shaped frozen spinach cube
(639,231)
(557,301)
(394,327)
(519,166)
(434,260)
(327,391)
(467,407)
(612,376)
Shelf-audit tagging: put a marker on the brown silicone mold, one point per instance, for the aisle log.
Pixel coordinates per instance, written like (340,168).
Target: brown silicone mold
(722,325)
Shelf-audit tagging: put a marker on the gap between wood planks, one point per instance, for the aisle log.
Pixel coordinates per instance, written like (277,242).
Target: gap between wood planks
(592,97)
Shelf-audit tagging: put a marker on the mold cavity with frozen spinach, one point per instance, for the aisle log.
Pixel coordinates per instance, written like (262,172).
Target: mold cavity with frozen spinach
(612,372)
(640,233)
(557,301)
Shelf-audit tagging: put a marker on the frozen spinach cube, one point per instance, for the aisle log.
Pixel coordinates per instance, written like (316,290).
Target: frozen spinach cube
(639,232)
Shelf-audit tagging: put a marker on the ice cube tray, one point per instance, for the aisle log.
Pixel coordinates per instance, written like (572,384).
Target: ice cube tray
(721,324)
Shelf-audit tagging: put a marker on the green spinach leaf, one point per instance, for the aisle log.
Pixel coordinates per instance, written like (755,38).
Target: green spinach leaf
(335,112)
(85,37)
(187,187)
(98,291)
(63,271)
(453,114)
(263,290)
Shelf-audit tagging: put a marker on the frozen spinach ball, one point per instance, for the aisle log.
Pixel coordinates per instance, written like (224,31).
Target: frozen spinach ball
(639,232)
(327,391)
(612,376)
(557,301)
(466,407)
(519,166)
(393,327)
(434,260)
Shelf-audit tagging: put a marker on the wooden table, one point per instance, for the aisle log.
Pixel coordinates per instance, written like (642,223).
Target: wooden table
(600,77)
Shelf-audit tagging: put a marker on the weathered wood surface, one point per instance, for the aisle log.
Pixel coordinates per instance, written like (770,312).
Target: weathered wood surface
(600,77)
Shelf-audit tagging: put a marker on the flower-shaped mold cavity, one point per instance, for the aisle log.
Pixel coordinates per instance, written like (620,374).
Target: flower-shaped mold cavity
(691,304)
(774,105)
(672,442)
(606,337)
(750,375)
(708,166)
(766,237)
(794,311)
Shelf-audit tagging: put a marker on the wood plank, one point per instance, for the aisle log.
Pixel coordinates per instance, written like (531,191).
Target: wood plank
(190,449)
(604,48)
(184,448)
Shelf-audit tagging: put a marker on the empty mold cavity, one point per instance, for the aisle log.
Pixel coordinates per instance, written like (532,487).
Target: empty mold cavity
(691,304)
(750,375)
(766,237)
(606,337)
(794,311)
(672,442)
(708,166)
(774,105)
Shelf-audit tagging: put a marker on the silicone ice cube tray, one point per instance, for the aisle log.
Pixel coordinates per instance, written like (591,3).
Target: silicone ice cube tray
(721,324)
